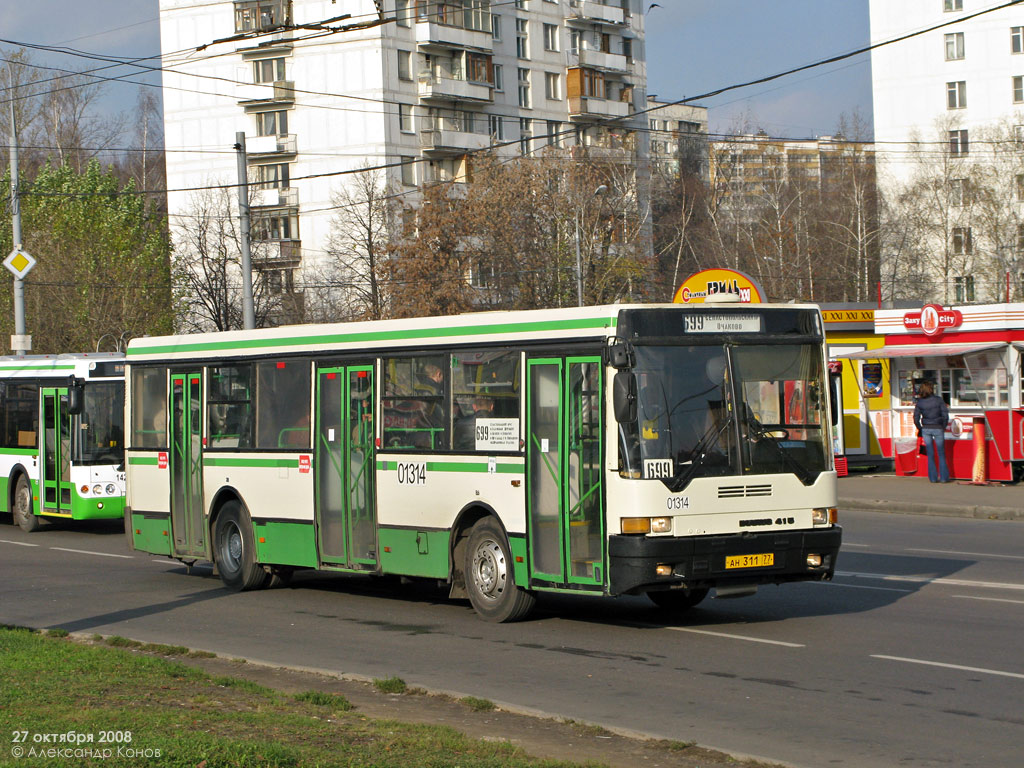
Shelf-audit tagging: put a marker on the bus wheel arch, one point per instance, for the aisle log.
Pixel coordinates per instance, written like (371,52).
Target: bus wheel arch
(469,516)
(233,545)
(489,574)
(21,501)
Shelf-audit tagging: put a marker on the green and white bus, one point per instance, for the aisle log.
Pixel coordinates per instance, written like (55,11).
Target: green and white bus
(613,450)
(62,437)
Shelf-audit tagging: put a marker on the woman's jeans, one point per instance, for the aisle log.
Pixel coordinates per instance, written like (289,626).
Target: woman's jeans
(935,447)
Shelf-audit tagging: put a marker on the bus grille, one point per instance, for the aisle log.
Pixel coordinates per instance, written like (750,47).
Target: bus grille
(743,491)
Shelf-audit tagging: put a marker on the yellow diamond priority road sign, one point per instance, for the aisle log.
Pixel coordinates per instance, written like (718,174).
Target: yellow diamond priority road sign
(19,262)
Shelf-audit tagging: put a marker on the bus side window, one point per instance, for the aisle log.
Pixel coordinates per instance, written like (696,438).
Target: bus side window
(416,403)
(230,406)
(282,404)
(149,407)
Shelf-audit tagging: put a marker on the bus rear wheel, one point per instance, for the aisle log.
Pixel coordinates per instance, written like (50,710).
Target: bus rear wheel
(23,516)
(678,599)
(489,580)
(235,551)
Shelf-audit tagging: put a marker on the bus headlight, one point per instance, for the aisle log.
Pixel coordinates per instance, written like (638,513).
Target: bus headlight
(824,516)
(661,525)
(111,489)
(97,489)
(646,524)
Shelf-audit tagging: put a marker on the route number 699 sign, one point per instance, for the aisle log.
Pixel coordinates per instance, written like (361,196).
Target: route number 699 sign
(412,473)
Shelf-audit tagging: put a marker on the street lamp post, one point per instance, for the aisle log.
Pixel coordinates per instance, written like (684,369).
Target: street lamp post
(579,261)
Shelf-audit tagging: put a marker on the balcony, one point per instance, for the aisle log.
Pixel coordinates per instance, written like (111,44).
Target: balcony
(270,146)
(276,253)
(590,106)
(590,11)
(431,35)
(608,62)
(275,198)
(606,154)
(458,142)
(449,89)
(263,93)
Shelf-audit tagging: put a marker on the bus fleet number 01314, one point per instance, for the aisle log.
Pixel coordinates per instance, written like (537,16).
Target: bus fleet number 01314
(412,473)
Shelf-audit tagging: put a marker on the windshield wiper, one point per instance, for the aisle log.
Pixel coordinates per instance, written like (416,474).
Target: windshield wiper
(765,436)
(700,452)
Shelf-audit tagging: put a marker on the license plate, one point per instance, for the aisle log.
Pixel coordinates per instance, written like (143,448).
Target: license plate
(761,560)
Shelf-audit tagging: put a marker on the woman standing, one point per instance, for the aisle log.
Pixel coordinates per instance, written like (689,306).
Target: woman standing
(930,417)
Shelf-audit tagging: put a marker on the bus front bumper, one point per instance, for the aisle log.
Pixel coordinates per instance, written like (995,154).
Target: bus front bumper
(720,561)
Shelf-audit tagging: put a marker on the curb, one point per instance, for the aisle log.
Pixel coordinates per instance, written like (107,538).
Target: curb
(977,512)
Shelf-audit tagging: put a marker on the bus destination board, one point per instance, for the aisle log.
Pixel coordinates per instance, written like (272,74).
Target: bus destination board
(705,322)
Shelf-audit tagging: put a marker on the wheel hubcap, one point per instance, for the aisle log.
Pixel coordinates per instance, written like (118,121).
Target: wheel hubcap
(232,546)
(489,574)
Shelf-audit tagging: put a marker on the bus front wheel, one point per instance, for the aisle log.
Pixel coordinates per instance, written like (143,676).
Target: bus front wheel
(678,599)
(23,516)
(489,580)
(235,550)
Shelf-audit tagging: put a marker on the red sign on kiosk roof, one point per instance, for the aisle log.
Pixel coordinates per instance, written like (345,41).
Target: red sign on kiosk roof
(932,320)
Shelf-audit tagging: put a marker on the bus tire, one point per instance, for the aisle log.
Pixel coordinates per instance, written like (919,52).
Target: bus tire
(235,551)
(678,600)
(22,506)
(489,579)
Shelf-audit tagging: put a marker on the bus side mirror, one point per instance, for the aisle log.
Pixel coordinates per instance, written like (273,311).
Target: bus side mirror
(624,397)
(620,355)
(76,398)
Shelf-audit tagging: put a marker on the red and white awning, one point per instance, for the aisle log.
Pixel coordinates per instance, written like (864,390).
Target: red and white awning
(922,350)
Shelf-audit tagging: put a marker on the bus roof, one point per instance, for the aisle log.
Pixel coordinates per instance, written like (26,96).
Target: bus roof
(82,365)
(569,324)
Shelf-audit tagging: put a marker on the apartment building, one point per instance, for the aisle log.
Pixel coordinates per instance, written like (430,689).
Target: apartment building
(947,102)
(323,88)
(678,136)
(744,169)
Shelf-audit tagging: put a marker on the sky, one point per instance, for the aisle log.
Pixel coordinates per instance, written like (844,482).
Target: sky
(693,46)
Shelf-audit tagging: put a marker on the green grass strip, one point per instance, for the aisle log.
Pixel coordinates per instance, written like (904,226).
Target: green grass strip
(179,717)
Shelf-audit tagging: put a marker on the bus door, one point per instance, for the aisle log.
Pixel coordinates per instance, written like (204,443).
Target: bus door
(186,464)
(345,512)
(55,482)
(564,471)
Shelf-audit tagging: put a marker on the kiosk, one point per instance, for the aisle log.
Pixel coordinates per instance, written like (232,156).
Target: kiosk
(972,355)
(858,387)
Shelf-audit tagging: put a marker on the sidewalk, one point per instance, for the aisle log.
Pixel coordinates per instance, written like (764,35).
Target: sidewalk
(915,495)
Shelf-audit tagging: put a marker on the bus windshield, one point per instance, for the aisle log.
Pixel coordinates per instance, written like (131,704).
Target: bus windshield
(99,438)
(688,423)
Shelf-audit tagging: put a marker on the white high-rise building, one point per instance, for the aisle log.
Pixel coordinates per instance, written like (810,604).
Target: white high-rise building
(325,87)
(949,99)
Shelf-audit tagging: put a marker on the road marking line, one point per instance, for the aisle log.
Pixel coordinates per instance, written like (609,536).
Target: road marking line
(864,586)
(982,670)
(972,554)
(736,637)
(87,552)
(851,544)
(991,599)
(930,580)
(19,543)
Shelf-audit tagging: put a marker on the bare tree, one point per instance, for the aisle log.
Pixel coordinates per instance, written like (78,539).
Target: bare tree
(146,160)
(71,124)
(206,268)
(354,284)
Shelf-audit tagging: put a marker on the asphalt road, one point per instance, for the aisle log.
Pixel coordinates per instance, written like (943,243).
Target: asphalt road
(911,657)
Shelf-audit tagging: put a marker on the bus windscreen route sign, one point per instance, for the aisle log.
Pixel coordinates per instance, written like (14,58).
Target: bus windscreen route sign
(705,322)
